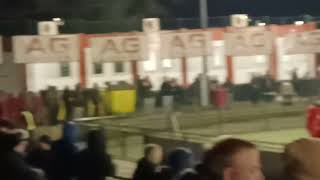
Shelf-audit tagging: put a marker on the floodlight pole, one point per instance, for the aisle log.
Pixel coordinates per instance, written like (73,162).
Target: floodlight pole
(204,89)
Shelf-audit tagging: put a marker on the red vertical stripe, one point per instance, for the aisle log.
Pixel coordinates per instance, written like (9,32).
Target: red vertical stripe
(273,68)
(230,68)
(184,71)
(82,63)
(134,70)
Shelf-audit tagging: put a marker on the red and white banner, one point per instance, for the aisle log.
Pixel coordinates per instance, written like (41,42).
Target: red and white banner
(248,43)
(119,48)
(302,43)
(44,49)
(177,44)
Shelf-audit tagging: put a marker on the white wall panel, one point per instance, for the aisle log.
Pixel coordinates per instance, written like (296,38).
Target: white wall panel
(304,63)
(247,66)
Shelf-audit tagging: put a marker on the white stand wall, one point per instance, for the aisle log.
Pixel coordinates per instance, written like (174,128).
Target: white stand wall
(246,66)
(12,76)
(216,64)
(304,63)
(42,75)
(170,68)
(108,74)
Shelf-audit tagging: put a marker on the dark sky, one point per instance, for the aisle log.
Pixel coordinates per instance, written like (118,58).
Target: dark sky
(251,7)
(178,8)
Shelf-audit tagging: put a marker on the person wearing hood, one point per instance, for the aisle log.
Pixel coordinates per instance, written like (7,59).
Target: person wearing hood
(64,153)
(180,162)
(148,167)
(93,162)
(13,166)
(67,100)
(41,156)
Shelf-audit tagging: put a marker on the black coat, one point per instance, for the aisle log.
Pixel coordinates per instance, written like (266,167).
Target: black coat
(93,166)
(62,166)
(166,89)
(145,170)
(40,159)
(12,165)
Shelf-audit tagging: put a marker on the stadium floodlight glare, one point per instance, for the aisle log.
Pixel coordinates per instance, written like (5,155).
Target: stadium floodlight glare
(58,20)
(261,24)
(299,23)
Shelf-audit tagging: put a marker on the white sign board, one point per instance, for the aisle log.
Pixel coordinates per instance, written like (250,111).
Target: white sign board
(185,44)
(239,20)
(119,48)
(48,28)
(248,43)
(43,49)
(151,25)
(302,43)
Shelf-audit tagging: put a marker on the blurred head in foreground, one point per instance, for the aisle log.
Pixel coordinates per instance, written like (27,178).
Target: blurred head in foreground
(233,159)
(153,153)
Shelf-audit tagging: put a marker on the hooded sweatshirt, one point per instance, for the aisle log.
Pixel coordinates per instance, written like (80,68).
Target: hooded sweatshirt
(94,163)
(181,163)
(64,154)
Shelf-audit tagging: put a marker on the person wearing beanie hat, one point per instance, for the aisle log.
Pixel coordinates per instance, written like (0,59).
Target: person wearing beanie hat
(181,163)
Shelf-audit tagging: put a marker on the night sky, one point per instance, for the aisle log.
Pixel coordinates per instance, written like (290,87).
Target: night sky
(251,7)
(15,9)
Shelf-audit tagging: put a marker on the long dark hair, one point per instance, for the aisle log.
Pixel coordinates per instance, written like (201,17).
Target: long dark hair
(97,141)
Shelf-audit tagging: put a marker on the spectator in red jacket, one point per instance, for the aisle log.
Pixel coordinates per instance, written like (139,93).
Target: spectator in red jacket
(15,106)
(313,119)
(2,98)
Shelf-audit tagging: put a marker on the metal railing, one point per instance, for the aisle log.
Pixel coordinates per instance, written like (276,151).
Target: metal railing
(248,117)
(127,142)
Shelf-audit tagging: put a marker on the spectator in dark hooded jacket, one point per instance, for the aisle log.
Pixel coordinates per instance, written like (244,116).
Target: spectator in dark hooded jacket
(93,163)
(12,165)
(67,99)
(148,167)
(180,162)
(41,156)
(64,153)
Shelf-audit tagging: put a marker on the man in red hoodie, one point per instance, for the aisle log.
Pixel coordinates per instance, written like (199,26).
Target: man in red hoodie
(313,119)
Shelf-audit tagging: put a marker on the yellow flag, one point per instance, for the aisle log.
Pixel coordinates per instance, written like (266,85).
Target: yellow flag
(30,120)
(62,111)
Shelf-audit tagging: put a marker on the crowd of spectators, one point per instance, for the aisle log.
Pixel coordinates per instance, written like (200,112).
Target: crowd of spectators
(50,106)
(24,157)
(27,158)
